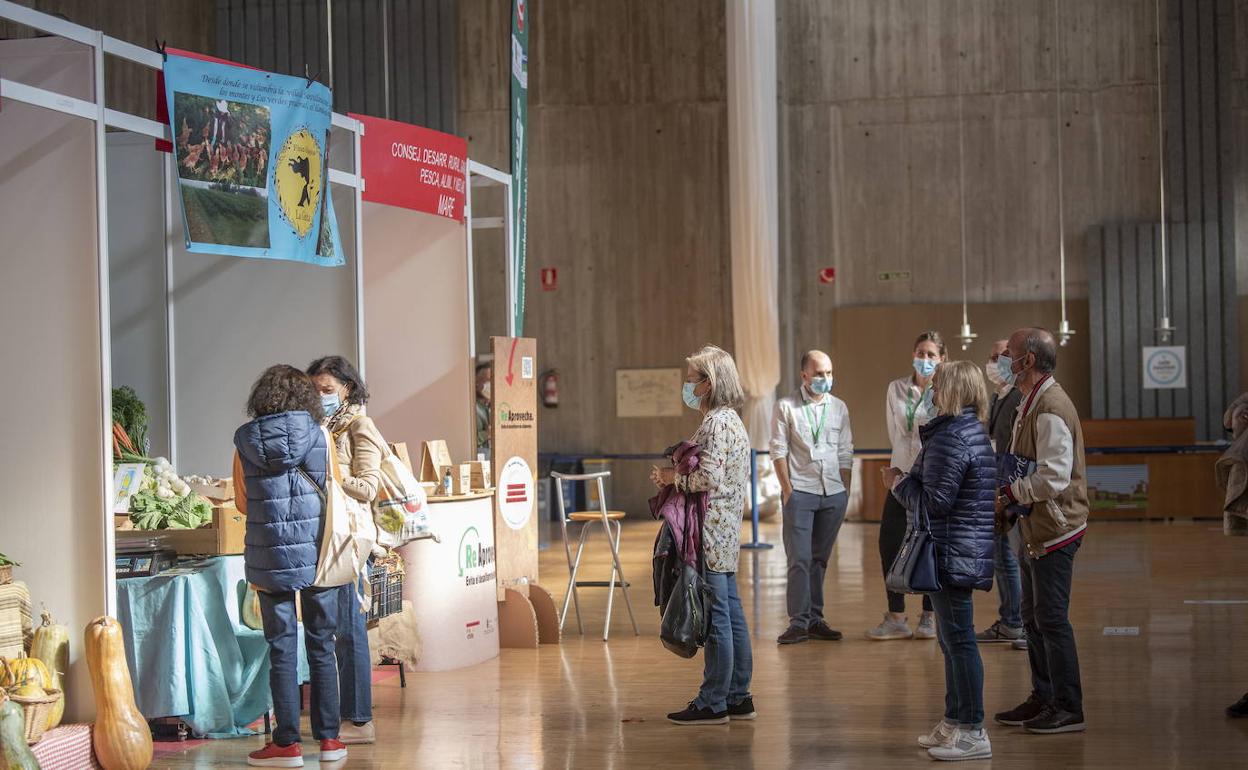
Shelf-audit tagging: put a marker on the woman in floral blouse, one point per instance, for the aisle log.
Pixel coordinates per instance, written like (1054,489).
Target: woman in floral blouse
(713,387)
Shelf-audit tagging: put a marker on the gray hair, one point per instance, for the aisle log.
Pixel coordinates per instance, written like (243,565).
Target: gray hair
(717,366)
(1043,346)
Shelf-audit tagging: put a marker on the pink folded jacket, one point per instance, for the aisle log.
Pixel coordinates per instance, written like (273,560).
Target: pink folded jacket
(683,511)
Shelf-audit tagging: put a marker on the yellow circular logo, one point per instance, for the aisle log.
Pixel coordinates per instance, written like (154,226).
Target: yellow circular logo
(297,177)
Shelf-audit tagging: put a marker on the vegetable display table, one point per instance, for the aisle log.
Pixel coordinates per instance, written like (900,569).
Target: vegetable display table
(189,654)
(451,584)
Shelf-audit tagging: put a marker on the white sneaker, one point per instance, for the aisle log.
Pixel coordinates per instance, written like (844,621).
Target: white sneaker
(966,744)
(927,627)
(890,629)
(941,735)
(353,735)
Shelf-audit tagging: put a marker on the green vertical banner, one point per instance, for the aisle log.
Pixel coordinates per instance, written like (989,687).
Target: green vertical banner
(519,144)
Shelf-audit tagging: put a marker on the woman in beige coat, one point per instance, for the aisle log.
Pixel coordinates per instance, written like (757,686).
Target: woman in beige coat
(360,448)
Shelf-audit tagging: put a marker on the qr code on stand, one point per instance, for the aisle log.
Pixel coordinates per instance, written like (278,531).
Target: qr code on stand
(526,367)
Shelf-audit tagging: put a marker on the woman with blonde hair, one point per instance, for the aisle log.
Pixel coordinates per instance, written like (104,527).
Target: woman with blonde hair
(713,387)
(952,488)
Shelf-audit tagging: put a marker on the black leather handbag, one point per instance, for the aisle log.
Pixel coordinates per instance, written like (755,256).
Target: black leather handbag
(685,623)
(914,569)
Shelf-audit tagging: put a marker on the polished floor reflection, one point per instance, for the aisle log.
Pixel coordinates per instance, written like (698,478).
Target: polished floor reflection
(1152,700)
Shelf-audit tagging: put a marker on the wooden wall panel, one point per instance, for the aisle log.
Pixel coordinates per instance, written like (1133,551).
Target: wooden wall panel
(869,92)
(628,185)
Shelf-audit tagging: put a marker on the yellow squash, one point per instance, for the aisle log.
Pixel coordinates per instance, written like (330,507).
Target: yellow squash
(16,672)
(51,645)
(121,738)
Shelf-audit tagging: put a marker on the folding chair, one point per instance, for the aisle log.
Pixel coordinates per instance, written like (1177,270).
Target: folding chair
(585,519)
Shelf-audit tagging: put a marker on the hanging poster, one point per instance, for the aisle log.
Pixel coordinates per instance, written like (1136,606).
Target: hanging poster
(251,153)
(519,146)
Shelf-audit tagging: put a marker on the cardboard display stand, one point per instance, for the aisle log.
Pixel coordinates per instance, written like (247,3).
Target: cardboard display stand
(513,440)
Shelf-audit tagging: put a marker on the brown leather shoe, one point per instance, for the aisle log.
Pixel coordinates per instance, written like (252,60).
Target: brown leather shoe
(822,632)
(793,635)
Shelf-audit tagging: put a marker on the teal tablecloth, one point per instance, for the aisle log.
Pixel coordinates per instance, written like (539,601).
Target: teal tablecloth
(189,654)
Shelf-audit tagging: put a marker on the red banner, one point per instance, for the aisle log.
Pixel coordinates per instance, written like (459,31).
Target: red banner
(414,168)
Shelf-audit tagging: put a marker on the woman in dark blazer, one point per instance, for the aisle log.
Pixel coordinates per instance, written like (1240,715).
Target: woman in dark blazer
(953,482)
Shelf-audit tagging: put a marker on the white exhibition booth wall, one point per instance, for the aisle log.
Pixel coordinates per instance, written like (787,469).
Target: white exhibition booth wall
(51,466)
(191,339)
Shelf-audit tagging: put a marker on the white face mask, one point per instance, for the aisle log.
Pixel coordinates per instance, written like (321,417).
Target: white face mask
(994,374)
(485,391)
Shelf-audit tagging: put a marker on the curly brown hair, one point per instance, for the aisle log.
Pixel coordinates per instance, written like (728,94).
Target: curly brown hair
(284,388)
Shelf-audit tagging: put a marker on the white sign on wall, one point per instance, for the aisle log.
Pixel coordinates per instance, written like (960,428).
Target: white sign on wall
(1165,368)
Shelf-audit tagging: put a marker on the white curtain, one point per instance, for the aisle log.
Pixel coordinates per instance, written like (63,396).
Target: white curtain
(753,206)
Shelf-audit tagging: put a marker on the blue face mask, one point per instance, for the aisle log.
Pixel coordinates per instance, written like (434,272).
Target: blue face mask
(330,402)
(925,367)
(1005,368)
(821,385)
(691,400)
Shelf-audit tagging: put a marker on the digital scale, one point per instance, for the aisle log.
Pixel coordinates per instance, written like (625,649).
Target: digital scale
(144,561)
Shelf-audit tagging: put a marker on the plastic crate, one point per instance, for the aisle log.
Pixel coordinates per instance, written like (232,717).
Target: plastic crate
(387,589)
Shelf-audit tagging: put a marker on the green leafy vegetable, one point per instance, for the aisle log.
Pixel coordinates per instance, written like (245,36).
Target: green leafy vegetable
(129,411)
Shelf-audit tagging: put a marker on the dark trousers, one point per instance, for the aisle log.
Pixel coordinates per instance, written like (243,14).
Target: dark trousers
(964,671)
(320,620)
(1050,639)
(355,665)
(811,523)
(893,524)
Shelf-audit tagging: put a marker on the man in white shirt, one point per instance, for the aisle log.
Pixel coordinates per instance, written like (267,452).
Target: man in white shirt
(812,448)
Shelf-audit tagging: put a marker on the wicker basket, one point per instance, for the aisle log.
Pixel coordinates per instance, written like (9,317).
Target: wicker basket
(37,712)
(6,574)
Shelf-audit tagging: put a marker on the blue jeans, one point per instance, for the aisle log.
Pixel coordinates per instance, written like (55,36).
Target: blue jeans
(1009,582)
(320,620)
(964,671)
(355,665)
(729,659)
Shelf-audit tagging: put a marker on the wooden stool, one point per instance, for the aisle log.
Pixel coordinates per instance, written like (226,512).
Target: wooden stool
(586,519)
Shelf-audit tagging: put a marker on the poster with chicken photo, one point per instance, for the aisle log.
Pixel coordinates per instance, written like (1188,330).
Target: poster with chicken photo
(252,159)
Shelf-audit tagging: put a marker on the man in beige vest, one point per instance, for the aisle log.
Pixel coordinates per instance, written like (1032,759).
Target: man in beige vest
(1055,495)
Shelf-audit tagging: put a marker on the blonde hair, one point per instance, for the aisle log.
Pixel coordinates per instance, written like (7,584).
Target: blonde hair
(717,366)
(961,384)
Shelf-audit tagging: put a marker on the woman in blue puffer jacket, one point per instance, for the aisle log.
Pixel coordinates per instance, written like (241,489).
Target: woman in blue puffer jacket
(279,480)
(953,482)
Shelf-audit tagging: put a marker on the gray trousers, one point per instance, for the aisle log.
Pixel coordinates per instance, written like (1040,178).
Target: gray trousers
(811,523)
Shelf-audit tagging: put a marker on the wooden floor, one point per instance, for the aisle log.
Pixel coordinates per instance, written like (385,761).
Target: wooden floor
(1153,700)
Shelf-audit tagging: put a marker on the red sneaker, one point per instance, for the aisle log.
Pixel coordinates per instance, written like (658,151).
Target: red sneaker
(333,750)
(273,755)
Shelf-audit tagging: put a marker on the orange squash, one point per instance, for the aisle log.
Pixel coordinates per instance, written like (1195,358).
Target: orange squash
(121,738)
(51,645)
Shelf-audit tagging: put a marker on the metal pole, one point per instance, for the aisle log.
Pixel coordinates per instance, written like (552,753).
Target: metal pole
(754,543)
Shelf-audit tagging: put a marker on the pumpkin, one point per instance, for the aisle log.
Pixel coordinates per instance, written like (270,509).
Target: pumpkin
(22,668)
(121,738)
(14,753)
(251,609)
(51,645)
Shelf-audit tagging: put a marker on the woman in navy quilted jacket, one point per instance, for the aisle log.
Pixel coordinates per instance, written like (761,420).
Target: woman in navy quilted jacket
(279,480)
(953,482)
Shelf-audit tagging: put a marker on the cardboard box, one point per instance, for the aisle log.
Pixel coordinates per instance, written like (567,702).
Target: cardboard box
(223,536)
(461,479)
(481,478)
(220,491)
(435,458)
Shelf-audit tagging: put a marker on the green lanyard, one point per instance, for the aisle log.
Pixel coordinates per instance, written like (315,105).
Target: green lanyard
(810,417)
(912,408)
